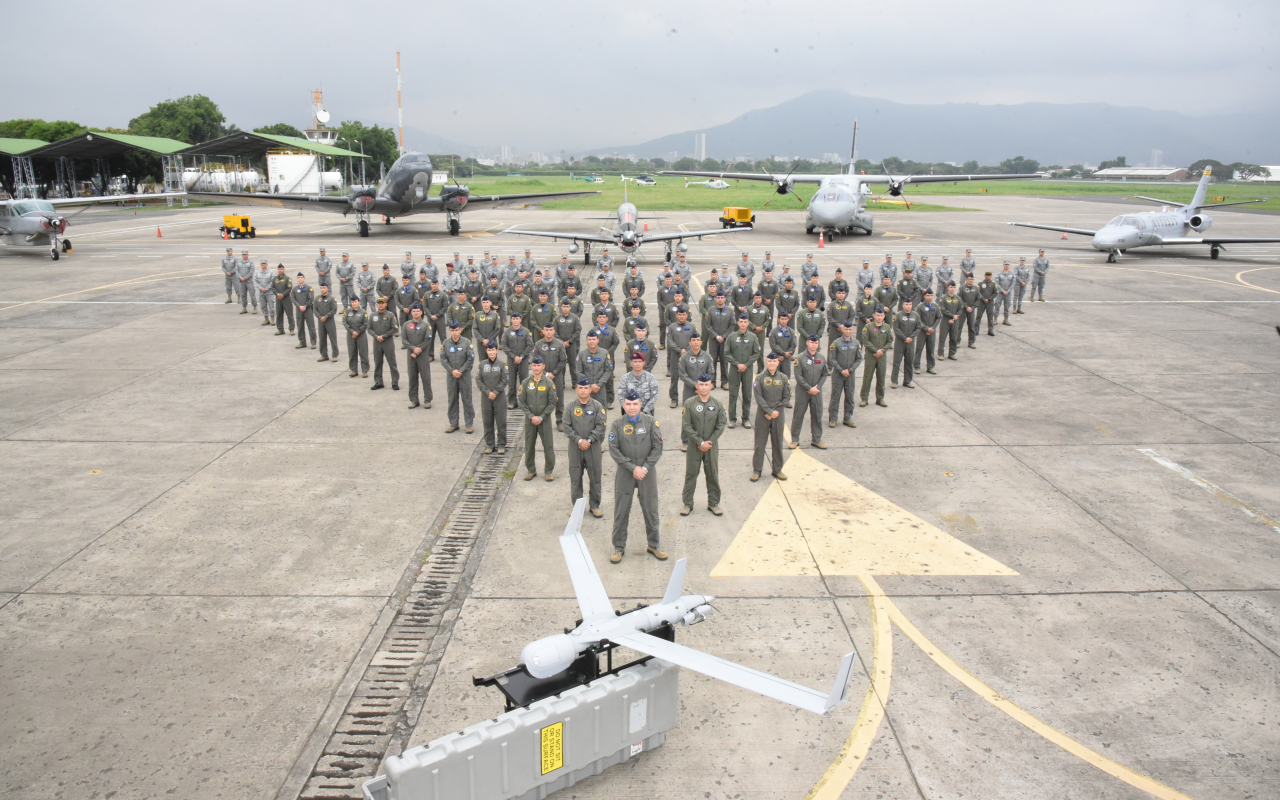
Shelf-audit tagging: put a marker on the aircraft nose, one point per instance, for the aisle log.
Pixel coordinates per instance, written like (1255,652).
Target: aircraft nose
(824,213)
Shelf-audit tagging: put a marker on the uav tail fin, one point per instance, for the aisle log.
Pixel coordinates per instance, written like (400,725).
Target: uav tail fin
(841,687)
(676,585)
(1198,200)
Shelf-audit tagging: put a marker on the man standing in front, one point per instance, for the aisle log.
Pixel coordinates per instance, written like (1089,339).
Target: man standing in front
(987,294)
(346,271)
(927,338)
(324,267)
(282,290)
(229,273)
(967,266)
(642,382)
(457,356)
(538,402)
(703,422)
(843,358)
(1022,277)
(554,360)
(811,374)
(407,267)
(876,340)
(517,344)
(906,329)
(952,322)
(1004,300)
(356,321)
(969,298)
(772,392)
(302,298)
(417,335)
(244,283)
(693,364)
(585,423)
(262,280)
(366,281)
(492,377)
(1040,270)
(383,329)
(326,313)
(635,445)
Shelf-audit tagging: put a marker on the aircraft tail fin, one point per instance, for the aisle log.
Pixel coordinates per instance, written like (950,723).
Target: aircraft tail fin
(840,689)
(853,147)
(1198,200)
(676,585)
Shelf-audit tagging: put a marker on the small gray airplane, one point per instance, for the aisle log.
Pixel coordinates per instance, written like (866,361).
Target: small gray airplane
(626,236)
(600,623)
(1159,228)
(404,191)
(38,223)
(839,204)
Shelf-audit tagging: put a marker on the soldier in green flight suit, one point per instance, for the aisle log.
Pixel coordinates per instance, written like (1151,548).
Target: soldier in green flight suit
(877,341)
(742,351)
(538,402)
(772,393)
(704,420)
(584,425)
(635,445)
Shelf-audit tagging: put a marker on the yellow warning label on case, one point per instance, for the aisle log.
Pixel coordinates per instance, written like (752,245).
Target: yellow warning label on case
(552,747)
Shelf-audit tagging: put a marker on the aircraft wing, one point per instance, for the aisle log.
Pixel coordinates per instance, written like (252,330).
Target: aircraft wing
(336,204)
(747,176)
(664,237)
(63,202)
(1218,240)
(593,600)
(497,199)
(1059,228)
(580,237)
(743,677)
(909,179)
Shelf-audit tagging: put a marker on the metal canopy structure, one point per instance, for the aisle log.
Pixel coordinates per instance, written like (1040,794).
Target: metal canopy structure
(18,151)
(101,146)
(245,143)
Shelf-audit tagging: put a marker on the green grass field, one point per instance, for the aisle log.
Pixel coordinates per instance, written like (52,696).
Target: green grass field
(671,195)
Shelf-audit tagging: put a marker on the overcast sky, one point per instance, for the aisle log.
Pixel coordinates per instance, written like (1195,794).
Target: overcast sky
(576,75)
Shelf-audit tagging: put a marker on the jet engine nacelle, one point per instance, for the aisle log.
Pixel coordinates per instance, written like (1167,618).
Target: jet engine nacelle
(573,247)
(683,247)
(549,656)
(1200,222)
(362,201)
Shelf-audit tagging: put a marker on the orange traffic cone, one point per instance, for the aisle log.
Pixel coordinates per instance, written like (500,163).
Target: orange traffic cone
(158,236)
(1064,234)
(224,233)
(646,226)
(820,239)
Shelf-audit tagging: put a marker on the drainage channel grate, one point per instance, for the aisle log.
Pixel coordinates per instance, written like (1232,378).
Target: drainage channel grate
(381,713)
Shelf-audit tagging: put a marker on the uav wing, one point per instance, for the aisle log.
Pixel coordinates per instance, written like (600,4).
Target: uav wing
(592,598)
(1158,201)
(579,237)
(747,176)
(729,672)
(1059,228)
(1217,240)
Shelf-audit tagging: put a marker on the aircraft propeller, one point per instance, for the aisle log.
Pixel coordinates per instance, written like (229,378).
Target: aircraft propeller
(896,187)
(785,186)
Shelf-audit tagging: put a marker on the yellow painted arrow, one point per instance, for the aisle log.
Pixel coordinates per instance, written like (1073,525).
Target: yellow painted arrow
(822,523)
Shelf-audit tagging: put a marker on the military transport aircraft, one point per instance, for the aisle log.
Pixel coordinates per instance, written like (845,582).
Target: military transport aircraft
(839,205)
(626,236)
(601,623)
(1159,228)
(403,192)
(37,223)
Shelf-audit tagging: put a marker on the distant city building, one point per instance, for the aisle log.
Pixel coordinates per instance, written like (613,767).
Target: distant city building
(505,156)
(1156,155)
(486,162)
(699,146)
(1271,174)
(1143,173)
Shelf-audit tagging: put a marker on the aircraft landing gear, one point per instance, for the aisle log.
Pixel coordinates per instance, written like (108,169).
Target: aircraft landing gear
(455,224)
(387,220)
(363,227)
(586,254)
(53,252)
(1111,257)
(1213,251)
(808,229)
(66,245)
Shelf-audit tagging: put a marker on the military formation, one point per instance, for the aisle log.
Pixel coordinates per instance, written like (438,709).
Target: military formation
(515,335)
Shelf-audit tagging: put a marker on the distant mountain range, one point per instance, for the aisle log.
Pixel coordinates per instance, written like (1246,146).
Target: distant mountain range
(821,122)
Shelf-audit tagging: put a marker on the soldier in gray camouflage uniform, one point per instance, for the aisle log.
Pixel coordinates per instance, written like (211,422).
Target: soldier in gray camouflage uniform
(1004,282)
(924,275)
(1022,277)
(967,267)
(865,277)
(767,263)
(324,268)
(407,267)
(1040,270)
(366,280)
(229,262)
(262,280)
(909,262)
(944,275)
(643,383)
(889,269)
(745,268)
(244,283)
(346,272)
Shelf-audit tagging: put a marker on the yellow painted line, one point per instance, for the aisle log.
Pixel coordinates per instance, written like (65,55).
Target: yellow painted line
(1048,732)
(131,282)
(1252,286)
(1239,285)
(833,782)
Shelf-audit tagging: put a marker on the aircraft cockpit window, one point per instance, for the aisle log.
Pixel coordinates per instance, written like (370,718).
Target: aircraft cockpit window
(1116,221)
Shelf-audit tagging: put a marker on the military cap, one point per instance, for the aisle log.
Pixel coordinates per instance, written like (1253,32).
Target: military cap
(542,290)
(951,283)
(417,306)
(944,258)
(345,254)
(866,261)
(789,279)
(928,291)
(300,275)
(839,271)
(967,250)
(244,252)
(768,269)
(422,271)
(230,249)
(527,250)
(636,355)
(355,298)
(695,335)
(279,266)
(537,360)
(382,300)
(908,269)
(641,325)
(583,380)
(713,269)
(879,309)
(386,267)
(513,313)
(813,337)
(631,395)
(435,281)
(564,301)
(537,272)
(1041,249)
(490,344)
(472,271)
(988,273)
(906,300)
(809,255)
(782,312)
(593,332)
(1007,262)
(924,258)
(364,263)
(1022,258)
(888,255)
(682,309)
(768,252)
(486,252)
(408,253)
(548,324)
(460,290)
(756,294)
(774,355)
(263,261)
(743,315)
(705,378)
(321,249)
(456,254)
(453,323)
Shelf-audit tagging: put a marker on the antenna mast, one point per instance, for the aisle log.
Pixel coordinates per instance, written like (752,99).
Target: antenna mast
(399,104)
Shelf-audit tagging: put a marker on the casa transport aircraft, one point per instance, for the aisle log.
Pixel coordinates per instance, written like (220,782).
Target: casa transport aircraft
(839,204)
(38,223)
(403,192)
(626,236)
(1169,226)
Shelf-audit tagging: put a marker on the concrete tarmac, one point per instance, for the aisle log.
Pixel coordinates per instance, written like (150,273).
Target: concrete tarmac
(206,529)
